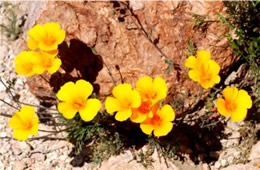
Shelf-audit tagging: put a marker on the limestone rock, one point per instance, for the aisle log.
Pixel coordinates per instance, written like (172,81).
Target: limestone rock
(108,29)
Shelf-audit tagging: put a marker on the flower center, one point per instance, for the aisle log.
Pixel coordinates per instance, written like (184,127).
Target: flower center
(144,108)
(156,120)
(79,103)
(230,106)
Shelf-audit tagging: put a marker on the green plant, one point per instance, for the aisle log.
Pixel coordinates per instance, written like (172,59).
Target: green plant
(12,29)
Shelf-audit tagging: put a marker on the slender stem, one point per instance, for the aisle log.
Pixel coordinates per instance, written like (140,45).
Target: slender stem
(110,74)
(36,105)
(49,131)
(44,78)
(9,104)
(46,137)
(145,34)
(6,115)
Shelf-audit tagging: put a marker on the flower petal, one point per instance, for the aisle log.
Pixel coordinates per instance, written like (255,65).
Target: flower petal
(112,105)
(203,56)
(144,86)
(147,128)
(32,44)
(230,93)
(91,109)
(123,115)
(214,67)
(191,62)
(66,91)
(84,88)
(56,63)
(239,114)
(66,109)
(221,107)
(21,134)
(135,99)
(138,117)
(122,91)
(35,126)
(160,88)
(243,99)
(166,113)
(193,75)
(164,129)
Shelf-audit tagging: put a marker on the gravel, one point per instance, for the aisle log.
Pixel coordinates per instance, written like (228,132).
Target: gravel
(54,154)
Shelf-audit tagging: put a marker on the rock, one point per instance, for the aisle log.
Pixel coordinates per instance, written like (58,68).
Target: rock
(19,165)
(38,157)
(230,159)
(254,156)
(223,163)
(217,165)
(115,38)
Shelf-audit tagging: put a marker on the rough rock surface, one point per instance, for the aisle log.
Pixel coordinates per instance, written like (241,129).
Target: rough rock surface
(108,29)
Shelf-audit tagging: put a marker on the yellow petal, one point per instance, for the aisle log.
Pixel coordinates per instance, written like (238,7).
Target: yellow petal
(138,117)
(37,33)
(216,79)
(135,99)
(193,75)
(239,114)
(221,106)
(203,56)
(243,99)
(47,47)
(91,110)
(147,128)
(123,115)
(84,88)
(191,62)
(213,67)
(160,88)
(112,105)
(32,44)
(164,129)
(56,63)
(35,127)
(67,91)
(122,91)
(166,113)
(67,110)
(230,93)
(21,134)
(144,86)
(27,112)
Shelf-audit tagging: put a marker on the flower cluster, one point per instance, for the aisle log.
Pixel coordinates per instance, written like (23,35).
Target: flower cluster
(141,105)
(203,69)
(236,103)
(74,98)
(24,123)
(44,41)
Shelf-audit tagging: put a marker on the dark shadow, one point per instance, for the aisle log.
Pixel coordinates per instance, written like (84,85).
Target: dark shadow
(77,60)
(201,143)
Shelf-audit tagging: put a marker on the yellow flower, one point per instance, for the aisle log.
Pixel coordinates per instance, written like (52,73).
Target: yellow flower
(236,103)
(74,97)
(204,70)
(48,62)
(24,123)
(151,91)
(25,63)
(160,123)
(124,100)
(47,37)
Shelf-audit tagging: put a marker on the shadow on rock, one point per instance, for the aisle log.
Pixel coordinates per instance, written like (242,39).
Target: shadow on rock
(78,62)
